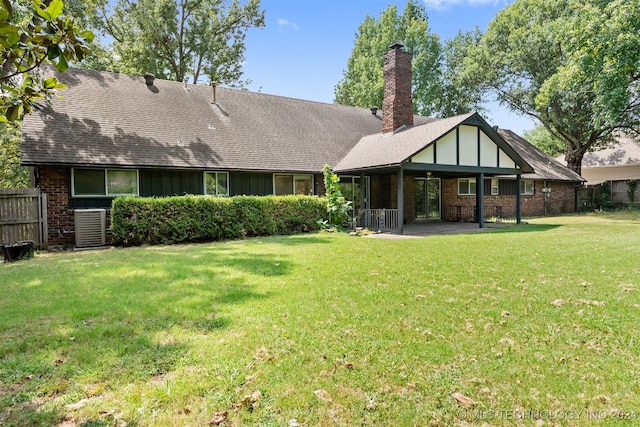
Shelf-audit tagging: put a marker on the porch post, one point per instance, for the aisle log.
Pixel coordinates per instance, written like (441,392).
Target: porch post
(400,201)
(362,193)
(480,199)
(518,199)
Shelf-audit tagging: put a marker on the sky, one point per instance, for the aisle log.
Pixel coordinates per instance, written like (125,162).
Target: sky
(303,49)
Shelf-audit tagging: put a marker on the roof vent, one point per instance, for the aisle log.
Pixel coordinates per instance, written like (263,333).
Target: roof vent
(374,110)
(149,78)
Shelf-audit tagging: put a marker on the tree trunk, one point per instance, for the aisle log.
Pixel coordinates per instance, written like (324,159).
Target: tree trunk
(574,161)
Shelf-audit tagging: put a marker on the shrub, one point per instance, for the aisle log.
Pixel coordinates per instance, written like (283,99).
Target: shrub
(137,220)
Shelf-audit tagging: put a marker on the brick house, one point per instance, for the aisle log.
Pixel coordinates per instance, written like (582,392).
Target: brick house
(115,134)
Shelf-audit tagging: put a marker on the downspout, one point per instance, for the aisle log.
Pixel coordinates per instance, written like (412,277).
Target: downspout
(544,197)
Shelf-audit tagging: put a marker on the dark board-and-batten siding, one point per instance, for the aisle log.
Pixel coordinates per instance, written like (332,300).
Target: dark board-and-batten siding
(160,183)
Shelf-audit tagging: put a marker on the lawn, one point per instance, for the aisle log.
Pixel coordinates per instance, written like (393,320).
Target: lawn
(533,325)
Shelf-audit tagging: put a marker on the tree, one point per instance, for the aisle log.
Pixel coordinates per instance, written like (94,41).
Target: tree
(31,34)
(433,69)
(12,175)
(337,205)
(572,65)
(541,138)
(176,38)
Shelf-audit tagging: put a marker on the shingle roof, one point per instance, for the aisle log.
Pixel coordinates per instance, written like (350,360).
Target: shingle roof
(625,152)
(545,166)
(108,119)
(390,149)
(384,150)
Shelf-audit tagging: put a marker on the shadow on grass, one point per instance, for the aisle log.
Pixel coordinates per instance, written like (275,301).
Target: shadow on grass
(525,228)
(28,414)
(117,316)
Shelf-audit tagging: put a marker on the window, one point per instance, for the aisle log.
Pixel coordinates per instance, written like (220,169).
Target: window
(350,189)
(104,182)
(216,183)
(526,187)
(494,186)
(466,186)
(284,184)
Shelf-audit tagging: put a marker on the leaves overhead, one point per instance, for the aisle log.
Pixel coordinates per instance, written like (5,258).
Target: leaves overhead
(573,65)
(30,35)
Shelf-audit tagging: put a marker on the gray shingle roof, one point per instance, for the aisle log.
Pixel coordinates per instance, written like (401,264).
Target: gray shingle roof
(545,166)
(383,150)
(116,120)
(110,119)
(624,152)
(390,149)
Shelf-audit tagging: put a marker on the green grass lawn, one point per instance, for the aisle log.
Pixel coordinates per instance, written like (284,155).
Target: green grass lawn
(536,324)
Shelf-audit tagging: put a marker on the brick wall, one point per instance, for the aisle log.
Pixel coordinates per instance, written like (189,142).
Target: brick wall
(55,182)
(384,194)
(560,200)
(397,107)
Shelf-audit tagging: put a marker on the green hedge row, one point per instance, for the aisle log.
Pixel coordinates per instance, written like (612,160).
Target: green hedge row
(137,220)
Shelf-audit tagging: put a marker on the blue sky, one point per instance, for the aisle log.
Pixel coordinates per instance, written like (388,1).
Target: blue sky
(304,47)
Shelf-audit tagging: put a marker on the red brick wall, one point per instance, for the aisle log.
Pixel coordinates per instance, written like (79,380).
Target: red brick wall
(55,182)
(559,201)
(384,194)
(397,107)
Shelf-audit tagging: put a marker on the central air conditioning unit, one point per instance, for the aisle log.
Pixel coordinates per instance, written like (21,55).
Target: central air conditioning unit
(91,227)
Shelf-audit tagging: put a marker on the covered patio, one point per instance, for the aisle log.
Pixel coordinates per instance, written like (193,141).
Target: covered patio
(463,148)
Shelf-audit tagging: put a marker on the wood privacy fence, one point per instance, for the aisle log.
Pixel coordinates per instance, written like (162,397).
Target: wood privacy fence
(23,216)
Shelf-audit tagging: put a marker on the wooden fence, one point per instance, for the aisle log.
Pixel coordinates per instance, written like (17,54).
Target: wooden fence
(23,216)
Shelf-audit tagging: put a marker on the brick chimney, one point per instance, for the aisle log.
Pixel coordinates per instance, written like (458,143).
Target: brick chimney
(397,108)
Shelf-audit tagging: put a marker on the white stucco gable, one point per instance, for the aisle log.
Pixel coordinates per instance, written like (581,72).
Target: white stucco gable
(465,146)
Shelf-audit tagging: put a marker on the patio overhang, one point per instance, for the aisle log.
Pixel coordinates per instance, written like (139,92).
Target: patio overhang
(464,146)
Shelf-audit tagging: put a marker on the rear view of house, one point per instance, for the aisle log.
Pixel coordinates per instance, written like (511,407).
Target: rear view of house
(115,135)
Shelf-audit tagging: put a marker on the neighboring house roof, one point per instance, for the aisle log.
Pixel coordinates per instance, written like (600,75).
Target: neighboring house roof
(624,152)
(544,166)
(108,119)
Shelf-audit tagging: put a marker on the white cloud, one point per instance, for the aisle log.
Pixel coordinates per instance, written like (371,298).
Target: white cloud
(286,23)
(446,4)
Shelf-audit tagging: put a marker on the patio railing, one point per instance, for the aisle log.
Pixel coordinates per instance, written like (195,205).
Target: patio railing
(377,219)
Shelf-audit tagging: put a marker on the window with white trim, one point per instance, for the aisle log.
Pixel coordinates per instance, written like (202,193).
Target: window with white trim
(216,183)
(495,187)
(466,186)
(104,182)
(527,187)
(286,184)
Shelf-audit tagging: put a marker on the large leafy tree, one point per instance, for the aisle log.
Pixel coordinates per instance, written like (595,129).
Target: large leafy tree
(12,175)
(573,65)
(434,66)
(33,33)
(541,138)
(175,39)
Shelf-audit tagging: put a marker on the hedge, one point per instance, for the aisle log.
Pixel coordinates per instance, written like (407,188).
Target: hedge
(164,220)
